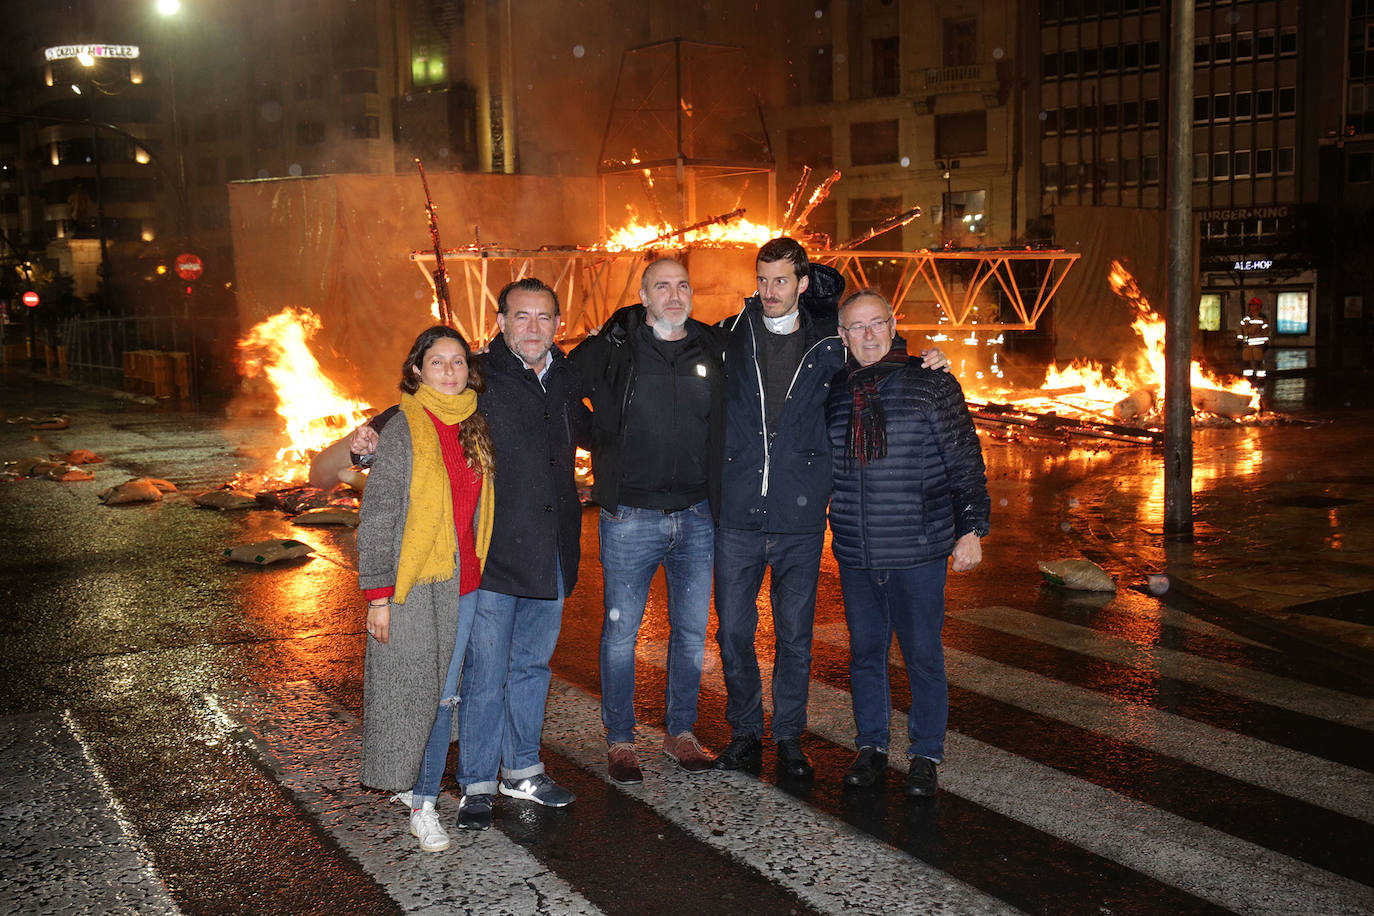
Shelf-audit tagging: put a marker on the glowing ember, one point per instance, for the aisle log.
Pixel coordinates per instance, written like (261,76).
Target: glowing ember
(638,234)
(314,411)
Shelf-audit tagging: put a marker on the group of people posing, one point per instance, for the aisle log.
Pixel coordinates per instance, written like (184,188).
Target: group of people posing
(718,453)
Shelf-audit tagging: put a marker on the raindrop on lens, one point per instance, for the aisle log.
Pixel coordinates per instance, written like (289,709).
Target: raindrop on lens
(579,51)
(613,614)
(1158,584)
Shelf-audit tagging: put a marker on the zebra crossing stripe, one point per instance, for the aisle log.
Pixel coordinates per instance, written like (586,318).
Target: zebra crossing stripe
(1334,786)
(827,863)
(67,845)
(1199,860)
(312,746)
(1319,702)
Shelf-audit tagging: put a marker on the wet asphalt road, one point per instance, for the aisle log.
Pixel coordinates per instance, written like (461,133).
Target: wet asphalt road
(180,734)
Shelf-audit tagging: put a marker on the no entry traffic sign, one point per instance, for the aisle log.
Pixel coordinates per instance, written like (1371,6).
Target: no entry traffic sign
(189,266)
(31,299)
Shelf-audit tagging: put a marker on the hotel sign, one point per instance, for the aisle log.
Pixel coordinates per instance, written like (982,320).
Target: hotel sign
(67,52)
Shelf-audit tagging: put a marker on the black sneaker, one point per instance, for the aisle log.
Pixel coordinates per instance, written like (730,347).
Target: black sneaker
(474,812)
(792,759)
(867,768)
(921,780)
(742,753)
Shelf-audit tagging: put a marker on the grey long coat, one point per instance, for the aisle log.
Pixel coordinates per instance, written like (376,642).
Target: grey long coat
(402,680)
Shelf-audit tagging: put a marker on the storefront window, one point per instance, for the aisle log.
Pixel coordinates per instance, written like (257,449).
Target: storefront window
(1292,313)
(1209,312)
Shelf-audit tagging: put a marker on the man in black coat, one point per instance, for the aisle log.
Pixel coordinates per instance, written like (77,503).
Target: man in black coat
(910,494)
(533,408)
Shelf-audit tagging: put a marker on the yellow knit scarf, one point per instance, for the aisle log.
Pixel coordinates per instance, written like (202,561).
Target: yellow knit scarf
(430,540)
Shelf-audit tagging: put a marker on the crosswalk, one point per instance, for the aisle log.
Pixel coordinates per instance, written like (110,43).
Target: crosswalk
(1058,794)
(1131,760)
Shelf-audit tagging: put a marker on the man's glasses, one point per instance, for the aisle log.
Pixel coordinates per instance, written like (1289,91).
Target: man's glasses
(875,326)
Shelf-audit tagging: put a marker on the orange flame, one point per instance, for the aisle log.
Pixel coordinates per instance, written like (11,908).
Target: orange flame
(315,413)
(637,234)
(1104,387)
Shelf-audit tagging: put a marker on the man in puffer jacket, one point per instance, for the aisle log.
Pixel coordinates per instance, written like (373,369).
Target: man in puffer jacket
(910,492)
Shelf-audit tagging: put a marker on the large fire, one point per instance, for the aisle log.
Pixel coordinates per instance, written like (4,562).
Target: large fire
(636,234)
(314,411)
(1103,388)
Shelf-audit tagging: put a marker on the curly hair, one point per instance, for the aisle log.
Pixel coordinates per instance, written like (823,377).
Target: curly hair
(474,434)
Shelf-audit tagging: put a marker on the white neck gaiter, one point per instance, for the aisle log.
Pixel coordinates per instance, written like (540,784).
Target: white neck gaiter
(785,324)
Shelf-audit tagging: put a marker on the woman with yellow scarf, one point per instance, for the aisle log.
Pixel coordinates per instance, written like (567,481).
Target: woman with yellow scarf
(423,533)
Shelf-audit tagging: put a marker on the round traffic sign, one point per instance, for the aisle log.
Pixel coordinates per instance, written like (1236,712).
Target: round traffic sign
(189,266)
(31,299)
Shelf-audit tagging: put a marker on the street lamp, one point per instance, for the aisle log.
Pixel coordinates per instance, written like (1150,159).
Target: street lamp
(88,61)
(170,8)
(947,166)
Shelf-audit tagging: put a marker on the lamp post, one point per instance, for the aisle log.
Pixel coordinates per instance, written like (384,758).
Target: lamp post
(946,166)
(89,62)
(169,9)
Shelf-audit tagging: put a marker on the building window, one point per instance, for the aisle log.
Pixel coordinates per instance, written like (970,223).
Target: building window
(821,74)
(1130,55)
(1152,170)
(1360,167)
(1109,114)
(1221,107)
(1265,45)
(1111,59)
(356,82)
(310,133)
(887,66)
(1049,176)
(207,172)
(1049,65)
(961,42)
(1151,112)
(1068,121)
(873,143)
(1222,50)
(1200,166)
(1291,313)
(1151,54)
(1209,312)
(1221,165)
(1202,51)
(1264,103)
(368,127)
(1130,114)
(1288,42)
(1202,109)
(1288,100)
(1264,162)
(867,212)
(1241,164)
(1050,121)
(964,134)
(1245,46)
(1240,105)
(967,213)
(810,146)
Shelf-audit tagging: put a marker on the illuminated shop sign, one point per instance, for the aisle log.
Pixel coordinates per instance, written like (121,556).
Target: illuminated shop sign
(67,52)
(1252,265)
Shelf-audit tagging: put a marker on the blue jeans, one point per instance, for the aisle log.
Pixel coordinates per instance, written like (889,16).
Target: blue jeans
(911,603)
(634,543)
(506,686)
(795,561)
(436,751)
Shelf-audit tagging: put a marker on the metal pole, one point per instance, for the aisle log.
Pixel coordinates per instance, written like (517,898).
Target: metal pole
(1178,394)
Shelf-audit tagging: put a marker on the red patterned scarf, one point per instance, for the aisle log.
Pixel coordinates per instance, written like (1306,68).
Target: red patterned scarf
(866,437)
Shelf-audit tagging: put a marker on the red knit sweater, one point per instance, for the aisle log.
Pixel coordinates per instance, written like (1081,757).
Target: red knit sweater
(466,486)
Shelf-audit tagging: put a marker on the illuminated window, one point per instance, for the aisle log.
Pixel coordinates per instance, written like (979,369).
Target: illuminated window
(1291,317)
(1209,312)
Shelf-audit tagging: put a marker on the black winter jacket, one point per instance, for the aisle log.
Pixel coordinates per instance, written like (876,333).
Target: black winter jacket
(534,429)
(908,507)
(781,483)
(606,366)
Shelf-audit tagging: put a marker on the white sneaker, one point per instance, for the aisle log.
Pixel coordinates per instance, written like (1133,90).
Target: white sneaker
(403,798)
(425,826)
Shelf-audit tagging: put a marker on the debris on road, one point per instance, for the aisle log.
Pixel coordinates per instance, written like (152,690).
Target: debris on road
(1084,575)
(65,473)
(328,515)
(51,423)
(225,499)
(137,490)
(79,456)
(263,553)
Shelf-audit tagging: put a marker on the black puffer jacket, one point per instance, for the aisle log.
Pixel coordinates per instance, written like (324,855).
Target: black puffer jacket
(908,507)
(781,485)
(606,366)
(534,428)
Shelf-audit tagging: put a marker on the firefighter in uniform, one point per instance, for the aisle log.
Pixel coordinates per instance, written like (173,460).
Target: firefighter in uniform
(1253,338)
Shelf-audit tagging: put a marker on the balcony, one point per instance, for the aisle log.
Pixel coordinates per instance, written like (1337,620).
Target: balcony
(966,78)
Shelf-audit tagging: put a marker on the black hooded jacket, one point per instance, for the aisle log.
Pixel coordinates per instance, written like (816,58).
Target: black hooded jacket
(780,481)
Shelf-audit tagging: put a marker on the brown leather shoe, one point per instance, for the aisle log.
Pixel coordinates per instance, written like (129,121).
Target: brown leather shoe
(622,765)
(687,753)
